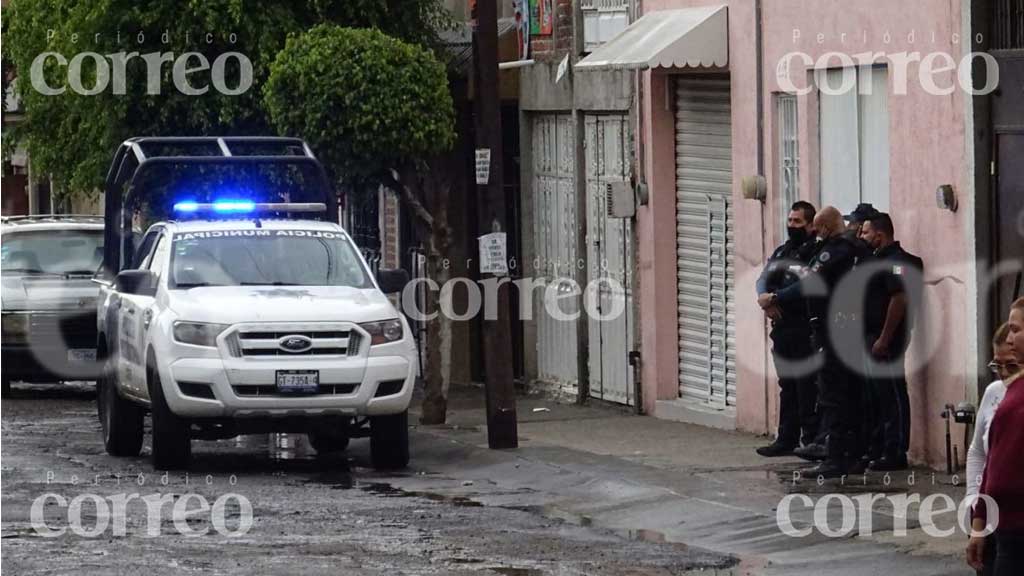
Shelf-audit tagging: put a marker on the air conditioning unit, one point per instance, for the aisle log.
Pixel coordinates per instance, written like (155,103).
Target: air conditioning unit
(619,199)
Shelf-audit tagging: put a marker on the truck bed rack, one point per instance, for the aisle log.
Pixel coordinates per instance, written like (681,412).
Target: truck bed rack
(136,156)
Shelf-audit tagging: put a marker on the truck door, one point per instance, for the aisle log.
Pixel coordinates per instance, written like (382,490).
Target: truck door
(130,368)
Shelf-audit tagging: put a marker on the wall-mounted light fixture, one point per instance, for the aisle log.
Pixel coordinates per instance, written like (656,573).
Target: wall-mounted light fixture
(754,187)
(945,197)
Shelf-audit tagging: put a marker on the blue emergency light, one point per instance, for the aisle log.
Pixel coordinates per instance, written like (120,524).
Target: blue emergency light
(222,206)
(247,207)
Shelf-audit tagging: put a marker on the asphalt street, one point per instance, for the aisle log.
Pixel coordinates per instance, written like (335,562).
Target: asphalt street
(310,515)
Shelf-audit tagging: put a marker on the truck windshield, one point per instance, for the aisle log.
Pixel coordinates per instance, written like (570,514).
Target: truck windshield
(263,257)
(54,252)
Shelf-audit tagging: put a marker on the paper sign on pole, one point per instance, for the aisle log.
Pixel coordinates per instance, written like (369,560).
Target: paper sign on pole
(492,254)
(483,166)
(563,67)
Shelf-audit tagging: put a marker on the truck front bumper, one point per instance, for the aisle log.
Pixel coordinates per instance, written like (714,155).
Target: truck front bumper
(210,388)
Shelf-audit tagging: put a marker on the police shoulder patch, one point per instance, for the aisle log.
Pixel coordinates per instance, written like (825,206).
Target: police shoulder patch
(824,256)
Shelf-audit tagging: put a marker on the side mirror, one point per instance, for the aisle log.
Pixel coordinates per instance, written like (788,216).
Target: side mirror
(137,282)
(392,281)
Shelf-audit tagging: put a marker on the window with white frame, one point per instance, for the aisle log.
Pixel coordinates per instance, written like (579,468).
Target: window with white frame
(602,21)
(854,136)
(787,154)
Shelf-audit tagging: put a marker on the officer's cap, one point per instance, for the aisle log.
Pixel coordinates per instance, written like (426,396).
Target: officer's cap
(862,213)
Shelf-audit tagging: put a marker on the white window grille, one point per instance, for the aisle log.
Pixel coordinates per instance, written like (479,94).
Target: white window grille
(602,21)
(788,153)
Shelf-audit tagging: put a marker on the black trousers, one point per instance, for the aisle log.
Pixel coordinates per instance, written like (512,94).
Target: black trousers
(840,400)
(798,388)
(1010,553)
(890,404)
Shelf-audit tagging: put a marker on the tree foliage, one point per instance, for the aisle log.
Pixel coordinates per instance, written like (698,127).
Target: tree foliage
(73,136)
(368,103)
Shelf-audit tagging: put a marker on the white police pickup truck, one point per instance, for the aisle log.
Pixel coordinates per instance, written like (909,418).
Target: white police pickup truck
(229,321)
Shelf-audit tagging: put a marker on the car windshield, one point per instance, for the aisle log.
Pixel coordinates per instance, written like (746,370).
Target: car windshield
(263,257)
(63,252)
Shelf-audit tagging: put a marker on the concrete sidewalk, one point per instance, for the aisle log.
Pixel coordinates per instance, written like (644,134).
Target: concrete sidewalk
(646,478)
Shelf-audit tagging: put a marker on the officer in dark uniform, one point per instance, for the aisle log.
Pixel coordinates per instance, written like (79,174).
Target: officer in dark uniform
(833,261)
(856,358)
(893,293)
(791,335)
(855,223)
(818,450)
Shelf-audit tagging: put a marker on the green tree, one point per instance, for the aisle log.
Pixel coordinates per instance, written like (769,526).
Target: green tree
(368,103)
(73,136)
(378,111)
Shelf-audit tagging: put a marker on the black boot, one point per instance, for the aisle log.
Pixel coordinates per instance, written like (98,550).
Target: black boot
(812,452)
(775,449)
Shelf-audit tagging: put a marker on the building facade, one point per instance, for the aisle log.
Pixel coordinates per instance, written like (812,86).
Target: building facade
(694,102)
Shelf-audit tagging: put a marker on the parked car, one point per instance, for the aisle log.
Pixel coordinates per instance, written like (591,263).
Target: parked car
(49,300)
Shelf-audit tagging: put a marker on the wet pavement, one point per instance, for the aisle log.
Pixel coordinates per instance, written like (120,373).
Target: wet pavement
(310,515)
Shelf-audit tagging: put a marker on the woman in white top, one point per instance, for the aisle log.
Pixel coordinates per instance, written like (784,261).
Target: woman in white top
(1003,365)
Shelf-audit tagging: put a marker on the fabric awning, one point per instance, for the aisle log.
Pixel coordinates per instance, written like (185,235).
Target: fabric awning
(690,37)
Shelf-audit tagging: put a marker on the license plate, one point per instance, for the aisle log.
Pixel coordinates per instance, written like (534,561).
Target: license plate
(80,355)
(298,381)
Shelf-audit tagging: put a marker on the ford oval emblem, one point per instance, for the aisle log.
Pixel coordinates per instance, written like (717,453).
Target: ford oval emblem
(295,343)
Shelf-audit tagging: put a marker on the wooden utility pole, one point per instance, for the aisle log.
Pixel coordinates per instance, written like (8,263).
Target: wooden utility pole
(497,332)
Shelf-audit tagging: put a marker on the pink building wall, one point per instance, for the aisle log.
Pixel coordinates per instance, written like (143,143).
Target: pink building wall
(927,149)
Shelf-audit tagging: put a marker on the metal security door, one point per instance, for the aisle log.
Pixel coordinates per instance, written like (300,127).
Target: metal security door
(555,231)
(610,260)
(704,241)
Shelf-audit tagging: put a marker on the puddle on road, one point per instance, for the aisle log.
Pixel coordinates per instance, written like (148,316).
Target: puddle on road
(281,447)
(389,491)
(513,571)
(10,533)
(555,513)
(335,479)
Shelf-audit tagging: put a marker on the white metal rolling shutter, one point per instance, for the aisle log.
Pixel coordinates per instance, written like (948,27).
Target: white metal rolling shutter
(555,231)
(704,241)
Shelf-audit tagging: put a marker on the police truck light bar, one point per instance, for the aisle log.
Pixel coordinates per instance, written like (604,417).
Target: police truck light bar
(248,207)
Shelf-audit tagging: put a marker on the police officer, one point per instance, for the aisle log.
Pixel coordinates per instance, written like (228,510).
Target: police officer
(818,450)
(834,259)
(855,223)
(893,290)
(791,335)
(860,389)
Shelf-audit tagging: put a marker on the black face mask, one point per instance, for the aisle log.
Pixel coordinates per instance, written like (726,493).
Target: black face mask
(797,234)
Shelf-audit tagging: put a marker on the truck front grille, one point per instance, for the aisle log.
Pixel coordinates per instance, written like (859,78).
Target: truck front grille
(264,343)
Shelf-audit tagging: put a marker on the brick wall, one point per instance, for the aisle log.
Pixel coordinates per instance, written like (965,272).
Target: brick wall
(560,41)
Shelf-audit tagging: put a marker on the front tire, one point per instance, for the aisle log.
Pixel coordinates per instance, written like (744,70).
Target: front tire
(172,442)
(389,441)
(120,419)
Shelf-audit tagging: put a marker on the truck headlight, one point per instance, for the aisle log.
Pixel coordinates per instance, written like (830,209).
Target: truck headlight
(384,331)
(15,328)
(198,333)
